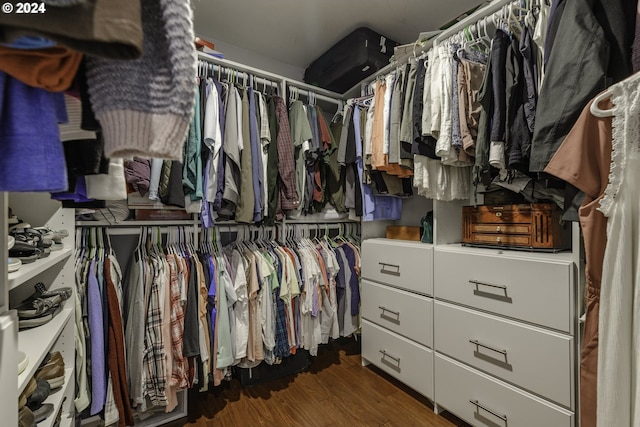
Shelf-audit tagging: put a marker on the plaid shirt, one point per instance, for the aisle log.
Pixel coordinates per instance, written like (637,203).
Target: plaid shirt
(155,359)
(286,163)
(179,370)
(282,337)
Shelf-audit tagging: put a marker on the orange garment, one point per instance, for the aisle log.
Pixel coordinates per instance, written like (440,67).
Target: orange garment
(379,160)
(51,68)
(377,129)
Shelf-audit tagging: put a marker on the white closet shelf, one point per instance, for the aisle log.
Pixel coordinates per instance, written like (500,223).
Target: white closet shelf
(56,398)
(543,256)
(36,342)
(29,271)
(134,223)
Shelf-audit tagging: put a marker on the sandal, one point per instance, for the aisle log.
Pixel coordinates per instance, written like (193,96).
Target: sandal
(42,292)
(38,307)
(26,323)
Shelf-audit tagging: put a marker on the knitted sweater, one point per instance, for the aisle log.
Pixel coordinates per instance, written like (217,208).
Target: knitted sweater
(145,105)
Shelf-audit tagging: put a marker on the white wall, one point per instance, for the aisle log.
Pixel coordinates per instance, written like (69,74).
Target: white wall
(257,60)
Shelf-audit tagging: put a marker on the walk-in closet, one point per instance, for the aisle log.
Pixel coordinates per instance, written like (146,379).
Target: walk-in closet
(362,213)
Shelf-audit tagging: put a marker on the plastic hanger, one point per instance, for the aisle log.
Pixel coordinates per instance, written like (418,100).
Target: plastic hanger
(594,107)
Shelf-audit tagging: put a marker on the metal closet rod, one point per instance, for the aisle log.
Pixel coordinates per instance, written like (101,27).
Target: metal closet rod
(241,67)
(243,75)
(314,94)
(476,16)
(268,75)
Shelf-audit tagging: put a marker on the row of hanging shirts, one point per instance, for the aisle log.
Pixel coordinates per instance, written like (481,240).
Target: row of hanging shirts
(452,113)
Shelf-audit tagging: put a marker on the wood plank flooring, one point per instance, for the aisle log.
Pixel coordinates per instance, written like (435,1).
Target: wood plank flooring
(335,391)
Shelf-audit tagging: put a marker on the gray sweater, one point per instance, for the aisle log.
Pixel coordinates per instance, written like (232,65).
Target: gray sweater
(145,105)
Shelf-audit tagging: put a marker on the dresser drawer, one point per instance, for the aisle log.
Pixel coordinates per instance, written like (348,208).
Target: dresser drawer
(536,289)
(484,401)
(407,314)
(406,265)
(529,357)
(405,360)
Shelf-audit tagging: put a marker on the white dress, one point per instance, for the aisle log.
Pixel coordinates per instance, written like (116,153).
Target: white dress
(619,330)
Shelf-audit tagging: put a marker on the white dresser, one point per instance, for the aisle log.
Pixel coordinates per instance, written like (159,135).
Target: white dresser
(397,310)
(486,334)
(504,336)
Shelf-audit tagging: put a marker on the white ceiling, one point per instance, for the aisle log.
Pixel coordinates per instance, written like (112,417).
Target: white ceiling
(295,32)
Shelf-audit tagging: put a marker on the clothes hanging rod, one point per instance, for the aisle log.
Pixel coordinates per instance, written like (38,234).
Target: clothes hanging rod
(241,67)
(315,89)
(295,91)
(476,16)
(245,76)
(268,75)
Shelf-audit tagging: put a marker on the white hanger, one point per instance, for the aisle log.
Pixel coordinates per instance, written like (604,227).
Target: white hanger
(594,107)
(608,93)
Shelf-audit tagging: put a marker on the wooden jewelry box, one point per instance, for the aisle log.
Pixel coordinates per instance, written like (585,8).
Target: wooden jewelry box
(534,226)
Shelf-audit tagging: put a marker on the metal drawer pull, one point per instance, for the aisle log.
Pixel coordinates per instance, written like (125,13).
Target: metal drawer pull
(484,408)
(488,347)
(385,354)
(384,269)
(477,283)
(385,309)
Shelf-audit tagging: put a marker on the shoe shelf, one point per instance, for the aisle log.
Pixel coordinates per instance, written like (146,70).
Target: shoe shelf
(29,271)
(57,398)
(36,342)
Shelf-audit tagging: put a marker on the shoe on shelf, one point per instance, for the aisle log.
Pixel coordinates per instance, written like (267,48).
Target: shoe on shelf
(55,235)
(53,374)
(44,318)
(54,358)
(26,418)
(23,361)
(41,291)
(14,264)
(37,398)
(27,392)
(43,412)
(36,307)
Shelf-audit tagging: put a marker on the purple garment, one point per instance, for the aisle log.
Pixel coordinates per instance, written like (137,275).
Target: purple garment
(211,297)
(374,207)
(96,327)
(137,173)
(353,280)
(205,208)
(79,195)
(32,155)
(30,42)
(256,158)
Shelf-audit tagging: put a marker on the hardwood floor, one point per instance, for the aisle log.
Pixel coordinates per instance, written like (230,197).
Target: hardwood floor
(335,391)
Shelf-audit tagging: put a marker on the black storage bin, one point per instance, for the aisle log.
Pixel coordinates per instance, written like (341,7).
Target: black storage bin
(352,59)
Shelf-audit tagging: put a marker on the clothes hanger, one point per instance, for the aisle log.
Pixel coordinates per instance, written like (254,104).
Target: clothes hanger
(608,93)
(594,107)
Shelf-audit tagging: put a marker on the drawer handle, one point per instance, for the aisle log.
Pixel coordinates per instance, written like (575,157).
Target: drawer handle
(384,268)
(477,283)
(385,354)
(385,309)
(484,408)
(488,347)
